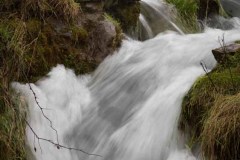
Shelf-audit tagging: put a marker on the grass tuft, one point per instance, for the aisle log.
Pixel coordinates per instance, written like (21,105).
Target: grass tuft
(198,102)
(67,10)
(220,136)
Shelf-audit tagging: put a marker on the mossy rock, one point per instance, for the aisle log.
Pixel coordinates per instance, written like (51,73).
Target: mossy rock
(126,13)
(202,95)
(119,33)
(205,111)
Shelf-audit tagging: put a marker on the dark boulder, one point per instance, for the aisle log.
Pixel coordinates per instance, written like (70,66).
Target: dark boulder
(207,8)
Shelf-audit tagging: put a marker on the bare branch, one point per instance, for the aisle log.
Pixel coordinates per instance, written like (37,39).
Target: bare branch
(223,45)
(50,122)
(59,146)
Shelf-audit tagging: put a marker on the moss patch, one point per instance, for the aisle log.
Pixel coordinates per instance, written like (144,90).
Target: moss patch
(201,97)
(126,13)
(210,111)
(79,34)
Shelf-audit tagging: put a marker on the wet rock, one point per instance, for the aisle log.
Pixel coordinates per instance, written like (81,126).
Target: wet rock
(221,54)
(102,37)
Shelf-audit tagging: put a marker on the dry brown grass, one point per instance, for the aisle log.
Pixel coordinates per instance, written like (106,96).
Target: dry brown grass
(12,66)
(221,132)
(67,10)
(12,130)
(202,96)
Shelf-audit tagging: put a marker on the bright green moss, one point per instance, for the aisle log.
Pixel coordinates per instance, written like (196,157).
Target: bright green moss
(187,14)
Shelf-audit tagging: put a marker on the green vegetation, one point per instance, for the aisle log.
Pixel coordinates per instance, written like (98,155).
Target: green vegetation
(185,7)
(126,14)
(79,34)
(34,37)
(202,95)
(12,126)
(62,9)
(187,14)
(12,130)
(189,11)
(212,110)
(220,135)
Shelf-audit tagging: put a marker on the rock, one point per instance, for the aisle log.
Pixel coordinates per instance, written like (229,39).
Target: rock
(108,31)
(221,54)
(126,13)
(102,37)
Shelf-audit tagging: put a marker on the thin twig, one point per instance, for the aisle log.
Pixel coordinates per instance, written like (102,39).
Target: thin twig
(51,125)
(222,43)
(50,122)
(59,146)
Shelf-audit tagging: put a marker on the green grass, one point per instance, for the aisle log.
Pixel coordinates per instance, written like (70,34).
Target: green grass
(187,14)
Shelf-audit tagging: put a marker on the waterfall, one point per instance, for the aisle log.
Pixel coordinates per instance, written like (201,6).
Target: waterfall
(156,16)
(128,109)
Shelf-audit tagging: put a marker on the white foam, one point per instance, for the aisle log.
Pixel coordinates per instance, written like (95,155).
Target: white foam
(129,107)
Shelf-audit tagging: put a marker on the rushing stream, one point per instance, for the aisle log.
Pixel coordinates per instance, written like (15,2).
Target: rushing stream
(156,16)
(128,109)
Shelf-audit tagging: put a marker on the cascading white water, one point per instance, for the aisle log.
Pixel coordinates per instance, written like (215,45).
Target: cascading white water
(156,16)
(146,26)
(128,109)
